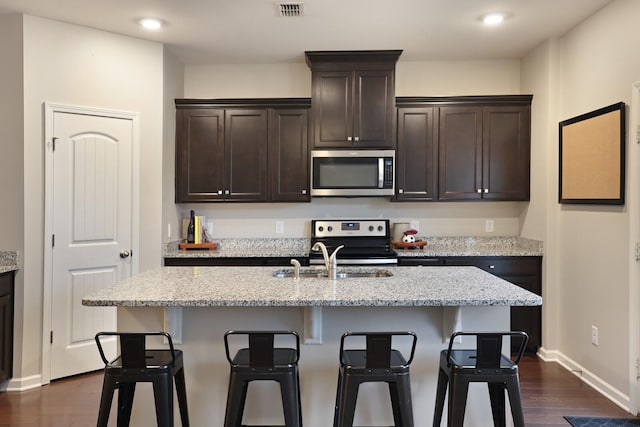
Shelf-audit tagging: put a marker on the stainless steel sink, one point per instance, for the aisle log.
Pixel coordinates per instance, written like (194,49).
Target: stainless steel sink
(342,273)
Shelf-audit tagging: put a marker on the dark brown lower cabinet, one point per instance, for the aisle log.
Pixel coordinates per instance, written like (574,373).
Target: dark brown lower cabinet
(6,325)
(524,271)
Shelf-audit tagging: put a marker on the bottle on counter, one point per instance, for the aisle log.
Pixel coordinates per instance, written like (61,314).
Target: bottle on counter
(191,228)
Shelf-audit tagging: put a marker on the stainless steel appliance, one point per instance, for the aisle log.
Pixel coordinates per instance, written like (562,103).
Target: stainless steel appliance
(366,242)
(352,172)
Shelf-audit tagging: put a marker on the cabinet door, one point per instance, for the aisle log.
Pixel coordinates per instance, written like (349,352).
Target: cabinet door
(373,109)
(460,153)
(6,326)
(416,155)
(245,151)
(528,319)
(332,108)
(199,154)
(506,153)
(289,155)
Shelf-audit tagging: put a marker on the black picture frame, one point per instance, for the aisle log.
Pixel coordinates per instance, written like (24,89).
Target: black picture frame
(592,157)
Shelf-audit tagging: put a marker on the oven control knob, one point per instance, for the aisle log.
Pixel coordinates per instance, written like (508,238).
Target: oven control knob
(379,228)
(329,228)
(371,228)
(320,228)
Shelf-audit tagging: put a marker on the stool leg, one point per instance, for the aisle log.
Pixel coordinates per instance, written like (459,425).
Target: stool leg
(125,403)
(336,409)
(181,391)
(496,396)
(235,401)
(400,392)
(458,388)
(299,398)
(108,388)
(163,396)
(348,399)
(289,392)
(441,392)
(513,388)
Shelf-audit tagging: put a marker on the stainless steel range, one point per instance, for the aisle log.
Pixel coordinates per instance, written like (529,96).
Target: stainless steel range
(366,242)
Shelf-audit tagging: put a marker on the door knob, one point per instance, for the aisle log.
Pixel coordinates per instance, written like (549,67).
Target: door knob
(124,254)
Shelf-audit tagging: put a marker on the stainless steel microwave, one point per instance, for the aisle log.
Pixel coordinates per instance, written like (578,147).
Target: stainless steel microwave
(352,173)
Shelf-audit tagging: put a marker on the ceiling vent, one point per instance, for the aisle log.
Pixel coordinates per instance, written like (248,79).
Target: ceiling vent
(288,9)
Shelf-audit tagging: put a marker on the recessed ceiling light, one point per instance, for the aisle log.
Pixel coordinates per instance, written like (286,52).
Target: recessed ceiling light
(151,23)
(493,18)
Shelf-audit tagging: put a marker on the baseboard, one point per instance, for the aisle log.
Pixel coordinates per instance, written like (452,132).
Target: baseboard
(22,384)
(601,386)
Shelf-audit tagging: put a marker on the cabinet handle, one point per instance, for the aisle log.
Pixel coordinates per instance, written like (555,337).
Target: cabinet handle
(400,191)
(479,190)
(349,138)
(304,191)
(486,190)
(492,267)
(356,138)
(220,192)
(226,191)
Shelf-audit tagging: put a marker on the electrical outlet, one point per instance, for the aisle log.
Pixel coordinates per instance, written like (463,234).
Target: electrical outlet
(594,335)
(415,225)
(488,226)
(279,227)
(169,231)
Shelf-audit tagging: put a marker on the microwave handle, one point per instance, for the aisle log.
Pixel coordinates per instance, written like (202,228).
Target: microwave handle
(380,172)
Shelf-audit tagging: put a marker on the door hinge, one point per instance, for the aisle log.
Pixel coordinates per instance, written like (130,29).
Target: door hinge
(53,240)
(50,337)
(637,251)
(637,369)
(53,143)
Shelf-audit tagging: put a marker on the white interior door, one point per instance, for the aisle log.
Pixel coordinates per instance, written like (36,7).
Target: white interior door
(92,232)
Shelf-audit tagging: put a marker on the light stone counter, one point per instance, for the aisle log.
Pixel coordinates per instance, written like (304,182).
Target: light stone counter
(8,261)
(256,286)
(300,247)
(475,246)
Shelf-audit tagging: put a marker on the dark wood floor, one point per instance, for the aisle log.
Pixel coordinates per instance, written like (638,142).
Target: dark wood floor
(548,393)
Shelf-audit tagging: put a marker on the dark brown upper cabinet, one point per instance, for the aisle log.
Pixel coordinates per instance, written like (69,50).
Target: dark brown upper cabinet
(416,155)
(242,150)
(463,148)
(484,152)
(353,98)
(289,154)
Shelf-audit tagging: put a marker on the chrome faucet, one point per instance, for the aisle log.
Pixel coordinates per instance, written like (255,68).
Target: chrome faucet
(330,261)
(296,268)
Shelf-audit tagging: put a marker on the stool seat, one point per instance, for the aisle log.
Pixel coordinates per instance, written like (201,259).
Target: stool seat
(262,361)
(486,363)
(138,364)
(377,362)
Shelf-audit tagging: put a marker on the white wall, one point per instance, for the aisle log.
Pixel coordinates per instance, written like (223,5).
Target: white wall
(12,159)
(434,78)
(76,65)
(591,274)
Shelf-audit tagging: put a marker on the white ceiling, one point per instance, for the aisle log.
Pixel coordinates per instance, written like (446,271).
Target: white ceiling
(250,31)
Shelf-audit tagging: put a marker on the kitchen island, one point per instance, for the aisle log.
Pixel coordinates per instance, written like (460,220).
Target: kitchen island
(431,301)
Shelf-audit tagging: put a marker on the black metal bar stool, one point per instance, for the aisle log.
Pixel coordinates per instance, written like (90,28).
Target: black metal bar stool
(486,363)
(377,362)
(261,361)
(136,364)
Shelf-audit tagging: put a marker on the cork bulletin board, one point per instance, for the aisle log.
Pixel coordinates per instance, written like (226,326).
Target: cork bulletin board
(592,159)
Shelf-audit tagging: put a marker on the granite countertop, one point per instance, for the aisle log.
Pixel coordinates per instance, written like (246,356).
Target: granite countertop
(256,286)
(8,261)
(300,247)
(475,246)
(245,248)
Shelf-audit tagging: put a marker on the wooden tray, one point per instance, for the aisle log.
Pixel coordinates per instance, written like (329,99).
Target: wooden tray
(403,245)
(209,246)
